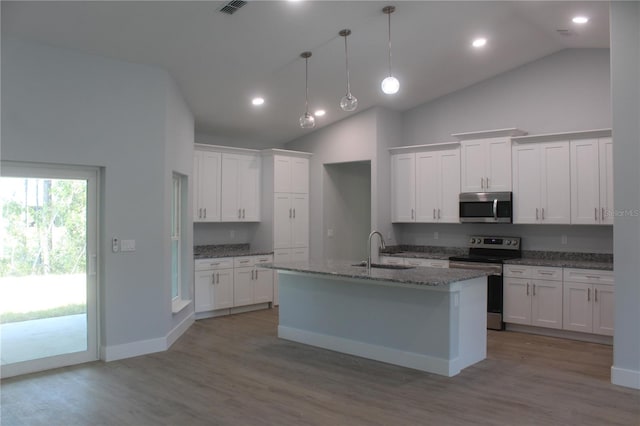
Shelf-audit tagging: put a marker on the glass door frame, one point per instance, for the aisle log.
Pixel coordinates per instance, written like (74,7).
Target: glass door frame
(92,177)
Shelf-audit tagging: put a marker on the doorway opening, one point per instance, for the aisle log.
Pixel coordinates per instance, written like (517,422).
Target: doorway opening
(48,267)
(347,210)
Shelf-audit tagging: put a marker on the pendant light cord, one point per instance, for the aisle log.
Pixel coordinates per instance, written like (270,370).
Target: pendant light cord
(306,84)
(389,15)
(346,54)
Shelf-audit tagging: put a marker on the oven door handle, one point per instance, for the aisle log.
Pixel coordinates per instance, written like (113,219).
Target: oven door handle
(495,209)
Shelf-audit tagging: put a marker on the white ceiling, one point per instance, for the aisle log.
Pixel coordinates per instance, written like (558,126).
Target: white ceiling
(221,61)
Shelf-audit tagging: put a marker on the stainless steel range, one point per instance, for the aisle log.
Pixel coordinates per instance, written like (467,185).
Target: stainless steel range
(488,254)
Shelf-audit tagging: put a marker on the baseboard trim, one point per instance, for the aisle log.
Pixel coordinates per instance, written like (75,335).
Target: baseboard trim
(129,350)
(625,377)
(367,350)
(179,330)
(563,334)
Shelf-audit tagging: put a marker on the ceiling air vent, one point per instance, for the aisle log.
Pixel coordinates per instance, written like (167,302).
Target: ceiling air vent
(232,7)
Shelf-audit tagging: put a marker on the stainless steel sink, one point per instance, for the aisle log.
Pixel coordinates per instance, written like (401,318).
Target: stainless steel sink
(383,266)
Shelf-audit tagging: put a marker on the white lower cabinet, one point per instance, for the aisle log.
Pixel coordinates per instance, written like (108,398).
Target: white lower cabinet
(229,282)
(530,300)
(213,284)
(588,301)
(412,261)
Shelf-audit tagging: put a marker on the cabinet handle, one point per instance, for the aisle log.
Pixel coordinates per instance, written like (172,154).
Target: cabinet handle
(434,213)
(534,289)
(487,184)
(588,295)
(602,214)
(595,294)
(290,210)
(593,277)
(218,278)
(438,213)
(243,213)
(412,214)
(545,273)
(543,213)
(200,212)
(294,212)
(527,289)
(536,213)
(595,214)
(239,213)
(481,183)
(213,279)
(205,212)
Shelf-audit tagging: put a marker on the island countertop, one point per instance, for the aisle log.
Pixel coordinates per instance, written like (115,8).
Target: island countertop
(417,276)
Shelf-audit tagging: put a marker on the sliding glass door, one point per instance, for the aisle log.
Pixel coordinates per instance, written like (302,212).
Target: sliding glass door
(48,267)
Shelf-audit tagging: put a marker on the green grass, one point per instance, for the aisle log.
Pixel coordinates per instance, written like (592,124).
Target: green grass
(59,311)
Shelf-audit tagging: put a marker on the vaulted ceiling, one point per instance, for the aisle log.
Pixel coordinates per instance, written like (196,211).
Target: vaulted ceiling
(221,61)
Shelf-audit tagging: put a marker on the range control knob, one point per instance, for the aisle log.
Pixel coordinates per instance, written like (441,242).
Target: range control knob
(473,241)
(508,242)
(515,242)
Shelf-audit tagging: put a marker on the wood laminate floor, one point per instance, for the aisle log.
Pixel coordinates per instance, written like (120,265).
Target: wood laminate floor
(235,371)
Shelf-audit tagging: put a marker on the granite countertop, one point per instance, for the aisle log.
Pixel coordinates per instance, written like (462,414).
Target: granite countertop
(424,252)
(419,276)
(226,250)
(596,261)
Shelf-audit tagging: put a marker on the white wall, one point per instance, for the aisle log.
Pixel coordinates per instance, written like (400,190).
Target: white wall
(353,139)
(347,211)
(566,91)
(625,91)
(64,107)
(223,233)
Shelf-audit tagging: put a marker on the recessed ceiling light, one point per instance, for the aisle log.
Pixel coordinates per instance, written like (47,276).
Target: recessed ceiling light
(580,20)
(319,113)
(257,101)
(479,42)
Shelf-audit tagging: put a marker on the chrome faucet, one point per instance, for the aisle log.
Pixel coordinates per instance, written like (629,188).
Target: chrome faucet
(382,246)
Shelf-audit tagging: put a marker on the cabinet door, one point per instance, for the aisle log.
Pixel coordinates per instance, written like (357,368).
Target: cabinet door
(526,183)
(577,309)
(203,284)
(472,166)
(585,182)
(243,286)
(427,183)
(282,218)
(555,194)
(498,165)
(606,181)
(281,173)
(300,254)
(300,222)
(517,301)
(449,186)
(300,175)
(603,309)
(403,188)
(263,285)
(230,196)
(546,304)
(223,289)
(249,188)
(206,186)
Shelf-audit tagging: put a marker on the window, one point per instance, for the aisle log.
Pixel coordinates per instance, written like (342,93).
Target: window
(178,299)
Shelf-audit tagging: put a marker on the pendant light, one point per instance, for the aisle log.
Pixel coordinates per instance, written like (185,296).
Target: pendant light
(348,101)
(306,120)
(390,85)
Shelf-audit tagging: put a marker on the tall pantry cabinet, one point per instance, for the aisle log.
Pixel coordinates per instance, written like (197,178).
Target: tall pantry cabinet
(285,209)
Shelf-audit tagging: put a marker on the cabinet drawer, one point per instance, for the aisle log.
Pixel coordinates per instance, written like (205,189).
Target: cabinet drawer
(263,259)
(416,262)
(389,260)
(437,263)
(217,263)
(591,276)
(546,273)
(517,271)
(240,262)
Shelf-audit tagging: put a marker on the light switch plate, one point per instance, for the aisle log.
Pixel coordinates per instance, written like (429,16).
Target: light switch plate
(128,245)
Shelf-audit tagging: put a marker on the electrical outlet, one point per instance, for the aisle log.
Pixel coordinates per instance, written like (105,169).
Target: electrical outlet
(232,234)
(436,235)
(564,239)
(330,232)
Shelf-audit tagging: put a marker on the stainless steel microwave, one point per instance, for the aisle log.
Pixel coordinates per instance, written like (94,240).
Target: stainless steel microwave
(486,207)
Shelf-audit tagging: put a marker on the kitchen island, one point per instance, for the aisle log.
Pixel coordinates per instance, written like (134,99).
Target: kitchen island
(430,319)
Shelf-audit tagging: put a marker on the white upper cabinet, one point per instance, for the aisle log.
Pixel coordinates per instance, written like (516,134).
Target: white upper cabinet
(206,186)
(426,184)
(486,165)
(291,174)
(403,187)
(240,188)
(541,183)
(592,181)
